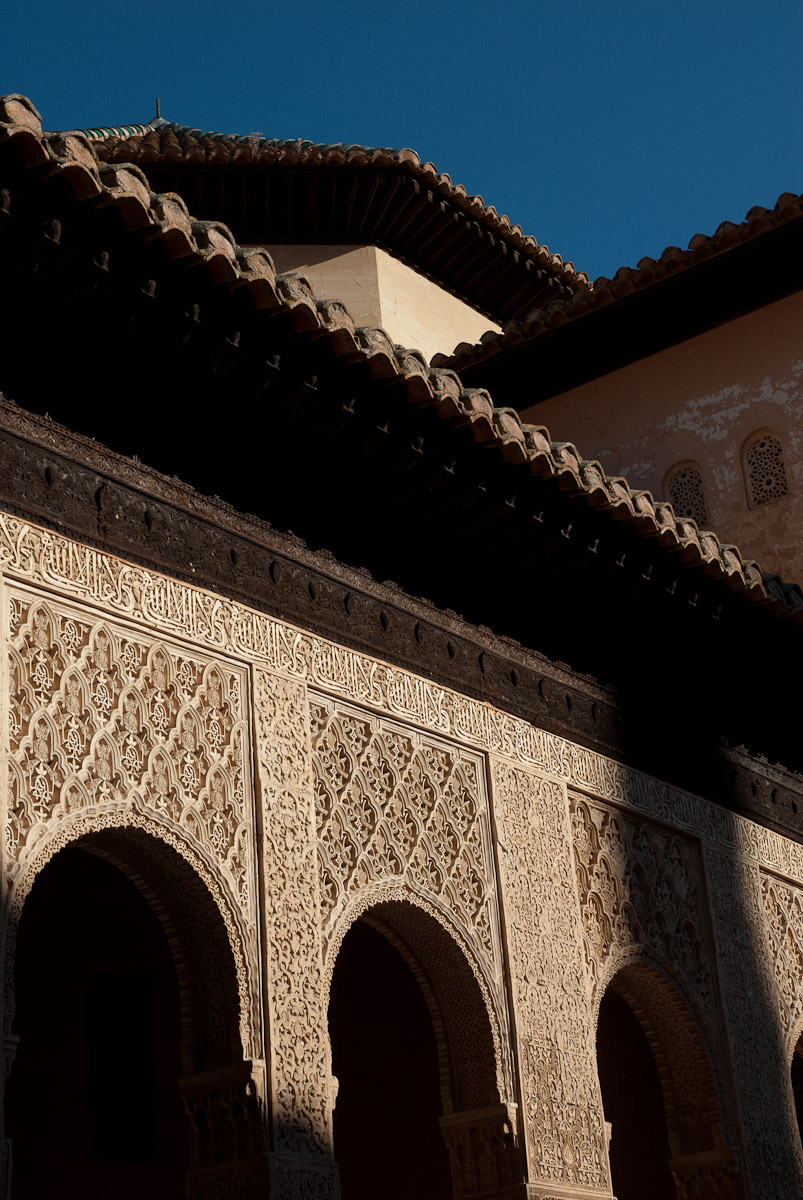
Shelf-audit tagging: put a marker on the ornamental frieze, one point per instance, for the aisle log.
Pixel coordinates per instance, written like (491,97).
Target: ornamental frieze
(220,625)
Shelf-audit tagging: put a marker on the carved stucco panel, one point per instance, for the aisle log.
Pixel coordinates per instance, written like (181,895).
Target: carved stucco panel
(640,886)
(783,906)
(157,602)
(392,804)
(755,1027)
(403,815)
(108,726)
(301,1104)
(150,603)
(562,1109)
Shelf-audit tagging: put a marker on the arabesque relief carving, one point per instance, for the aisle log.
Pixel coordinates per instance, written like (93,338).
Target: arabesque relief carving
(783,906)
(30,553)
(639,885)
(114,715)
(402,817)
(755,1025)
(392,805)
(300,1079)
(108,726)
(562,1111)
(99,716)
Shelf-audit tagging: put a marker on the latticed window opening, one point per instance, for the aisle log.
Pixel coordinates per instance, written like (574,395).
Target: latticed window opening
(765,470)
(686,492)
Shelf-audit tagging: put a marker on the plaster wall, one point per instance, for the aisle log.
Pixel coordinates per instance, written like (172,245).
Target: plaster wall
(700,400)
(379,290)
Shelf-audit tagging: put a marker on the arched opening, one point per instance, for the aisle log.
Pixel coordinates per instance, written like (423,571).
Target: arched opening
(93,1101)
(418,1111)
(659,1094)
(633,1104)
(385,1057)
(797,1084)
(129,1078)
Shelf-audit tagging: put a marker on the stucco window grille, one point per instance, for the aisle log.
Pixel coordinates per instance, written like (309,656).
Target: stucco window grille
(686,493)
(765,470)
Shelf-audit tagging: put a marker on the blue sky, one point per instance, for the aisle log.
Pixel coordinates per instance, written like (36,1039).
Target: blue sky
(606,130)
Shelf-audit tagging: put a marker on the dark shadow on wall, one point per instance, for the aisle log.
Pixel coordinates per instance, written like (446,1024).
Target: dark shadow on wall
(744,1035)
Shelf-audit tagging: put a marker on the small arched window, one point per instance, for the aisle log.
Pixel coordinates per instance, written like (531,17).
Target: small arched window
(764,469)
(685,491)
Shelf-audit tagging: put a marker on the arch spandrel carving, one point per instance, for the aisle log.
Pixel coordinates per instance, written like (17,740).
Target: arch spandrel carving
(107,726)
(641,895)
(400,813)
(639,885)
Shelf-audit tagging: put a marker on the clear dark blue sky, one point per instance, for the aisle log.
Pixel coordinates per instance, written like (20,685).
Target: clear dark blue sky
(606,130)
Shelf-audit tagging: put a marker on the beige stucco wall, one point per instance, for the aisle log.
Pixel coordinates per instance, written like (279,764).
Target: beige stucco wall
(700,400)
(377,289)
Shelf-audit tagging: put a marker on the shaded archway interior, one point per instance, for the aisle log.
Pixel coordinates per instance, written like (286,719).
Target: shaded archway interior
(460,1018)
(418,1109)
(385,1057)
(633,1104)
(126,996)
(93,1101)
(658,1089)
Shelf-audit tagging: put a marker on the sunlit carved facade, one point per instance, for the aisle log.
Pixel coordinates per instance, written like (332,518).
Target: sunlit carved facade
(273,748)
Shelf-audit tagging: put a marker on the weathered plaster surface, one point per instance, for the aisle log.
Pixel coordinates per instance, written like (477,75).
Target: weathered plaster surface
(700,400)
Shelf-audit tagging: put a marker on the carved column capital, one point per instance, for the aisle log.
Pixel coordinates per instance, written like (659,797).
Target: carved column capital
(713,1175)
(484,1152)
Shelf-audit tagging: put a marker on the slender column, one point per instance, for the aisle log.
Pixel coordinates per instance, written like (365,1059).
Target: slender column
(562,1110)
(9,1050)
(300,1088)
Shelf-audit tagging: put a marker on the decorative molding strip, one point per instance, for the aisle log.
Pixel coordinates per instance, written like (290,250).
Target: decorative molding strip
(30,553)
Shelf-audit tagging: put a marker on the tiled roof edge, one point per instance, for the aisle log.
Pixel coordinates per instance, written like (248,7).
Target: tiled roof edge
(212,246)
(126,146)
(604,291)
(103,133)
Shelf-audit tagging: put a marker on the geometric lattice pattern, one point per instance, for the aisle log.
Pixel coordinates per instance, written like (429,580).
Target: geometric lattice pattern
(393,805)
(765,470)
(100,717)
(684,487)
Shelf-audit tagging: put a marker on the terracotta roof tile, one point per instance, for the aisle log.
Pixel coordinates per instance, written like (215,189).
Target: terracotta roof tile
(161,141)
(627,280)
(211,246)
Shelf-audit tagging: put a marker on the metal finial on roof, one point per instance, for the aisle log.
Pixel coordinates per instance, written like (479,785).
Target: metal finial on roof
(158,109)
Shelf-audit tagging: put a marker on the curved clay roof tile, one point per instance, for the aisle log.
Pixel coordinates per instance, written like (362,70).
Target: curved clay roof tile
(214,247)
